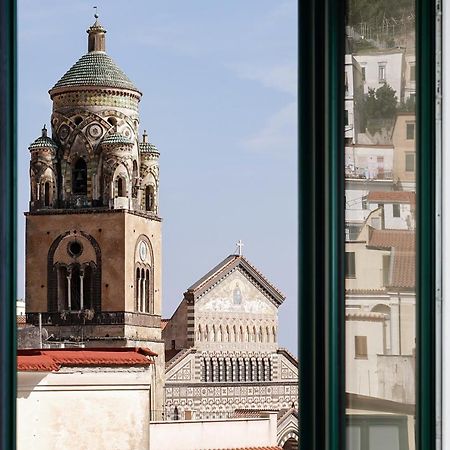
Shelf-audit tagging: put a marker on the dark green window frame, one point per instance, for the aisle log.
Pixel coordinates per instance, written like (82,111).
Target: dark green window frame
(321,225)
(8,241)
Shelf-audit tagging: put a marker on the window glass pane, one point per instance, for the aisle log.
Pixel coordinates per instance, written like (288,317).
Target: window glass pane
(382,437)
(353,438)
(380,185)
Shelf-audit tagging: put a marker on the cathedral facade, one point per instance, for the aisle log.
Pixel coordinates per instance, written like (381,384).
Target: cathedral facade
(222,354)
(93,233)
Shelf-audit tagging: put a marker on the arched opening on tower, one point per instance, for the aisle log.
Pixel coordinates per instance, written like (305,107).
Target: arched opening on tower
(75,287)
(290,444)
(120,189)
(149,198)
(79,177)
(47,194)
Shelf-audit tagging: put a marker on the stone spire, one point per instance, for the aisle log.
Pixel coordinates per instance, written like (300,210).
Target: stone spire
(96,38)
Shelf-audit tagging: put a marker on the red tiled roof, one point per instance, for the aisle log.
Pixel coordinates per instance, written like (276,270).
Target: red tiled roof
(48,360)
(387,239)
(402,243)
(404,269)
(391,197)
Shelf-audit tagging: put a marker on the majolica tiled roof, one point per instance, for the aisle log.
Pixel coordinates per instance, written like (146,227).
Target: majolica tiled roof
(95,69)
(43,142)
(146,147)
(116,138)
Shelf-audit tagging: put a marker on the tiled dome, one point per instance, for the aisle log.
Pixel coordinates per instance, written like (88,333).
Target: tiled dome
(146,147)
(43,141)
(95,69)
(116,138)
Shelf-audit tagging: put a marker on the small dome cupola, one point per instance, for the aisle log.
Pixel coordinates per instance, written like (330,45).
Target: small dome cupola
(117,139)
(96,37)
(43,142)
(147,147)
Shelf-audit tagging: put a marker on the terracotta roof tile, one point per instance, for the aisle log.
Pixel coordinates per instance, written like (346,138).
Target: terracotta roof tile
(391,197)
(53,359)
(403,269)
(36,363)
(387,239)
(402,244)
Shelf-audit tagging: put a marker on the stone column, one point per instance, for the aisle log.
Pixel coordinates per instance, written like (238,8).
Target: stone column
(81,290)
(69,293)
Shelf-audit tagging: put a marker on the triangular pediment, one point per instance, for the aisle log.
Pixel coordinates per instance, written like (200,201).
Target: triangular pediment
(236,293)
(233,285)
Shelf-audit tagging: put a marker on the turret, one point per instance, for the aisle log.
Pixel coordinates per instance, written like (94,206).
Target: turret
(149,172)
(42,172)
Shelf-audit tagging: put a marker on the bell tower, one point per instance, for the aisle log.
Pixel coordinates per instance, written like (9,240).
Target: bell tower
(93,231)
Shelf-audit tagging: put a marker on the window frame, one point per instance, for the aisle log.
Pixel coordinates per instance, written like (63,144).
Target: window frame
(321,225)
(8,233)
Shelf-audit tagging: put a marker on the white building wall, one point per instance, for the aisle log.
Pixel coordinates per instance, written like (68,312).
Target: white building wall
(83,409)
(214,434)
(361,373)
(392,61)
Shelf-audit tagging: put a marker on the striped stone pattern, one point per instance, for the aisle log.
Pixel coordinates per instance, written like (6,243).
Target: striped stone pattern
(190,324)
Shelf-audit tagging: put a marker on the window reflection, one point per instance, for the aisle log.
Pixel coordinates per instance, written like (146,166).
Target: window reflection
(380,207)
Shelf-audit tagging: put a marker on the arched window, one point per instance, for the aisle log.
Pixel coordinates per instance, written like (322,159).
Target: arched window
(79,177)
(147,291)
(137,286)
(47,194)
(149,198)
(120,187)
(134,180)
(141,300)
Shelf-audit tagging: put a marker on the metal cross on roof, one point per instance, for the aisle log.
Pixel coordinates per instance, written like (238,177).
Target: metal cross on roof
(96,13)
(240,244)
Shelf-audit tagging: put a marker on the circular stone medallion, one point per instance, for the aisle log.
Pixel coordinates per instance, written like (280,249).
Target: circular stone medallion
(95,131)
(143,250)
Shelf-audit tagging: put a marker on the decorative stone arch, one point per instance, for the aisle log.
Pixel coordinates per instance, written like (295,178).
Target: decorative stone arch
(234,334)
(149,197)
(261,334)
(134,178)
(46,187)
(289,441)
(254,334)
(60,261)
(144,275)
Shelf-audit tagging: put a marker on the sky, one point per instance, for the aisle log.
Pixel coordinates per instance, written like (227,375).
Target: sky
(220,102)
